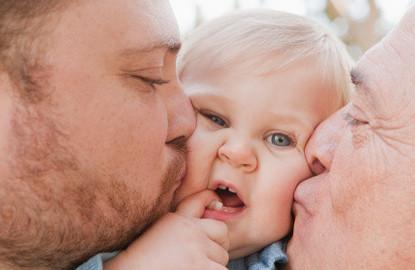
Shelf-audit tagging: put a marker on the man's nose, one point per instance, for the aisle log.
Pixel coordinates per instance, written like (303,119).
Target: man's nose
(239,153)
(181,118)
(322,145)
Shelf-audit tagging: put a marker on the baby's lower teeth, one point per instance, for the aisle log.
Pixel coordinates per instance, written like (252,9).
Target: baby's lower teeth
(226,210)
(215,205)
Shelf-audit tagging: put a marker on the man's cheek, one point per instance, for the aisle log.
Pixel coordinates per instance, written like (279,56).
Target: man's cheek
(346,184)
(355,179)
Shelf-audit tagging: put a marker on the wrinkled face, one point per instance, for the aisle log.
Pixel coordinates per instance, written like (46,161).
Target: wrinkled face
(107,139)
(359,212)
(249,146)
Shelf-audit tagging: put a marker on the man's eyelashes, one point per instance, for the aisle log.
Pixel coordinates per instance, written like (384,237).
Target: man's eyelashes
(352,121)
(152,82)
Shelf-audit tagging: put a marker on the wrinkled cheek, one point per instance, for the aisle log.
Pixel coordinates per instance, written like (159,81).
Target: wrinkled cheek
(349,181)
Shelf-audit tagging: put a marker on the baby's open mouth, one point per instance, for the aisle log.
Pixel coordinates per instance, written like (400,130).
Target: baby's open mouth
(229,197)
(230,206)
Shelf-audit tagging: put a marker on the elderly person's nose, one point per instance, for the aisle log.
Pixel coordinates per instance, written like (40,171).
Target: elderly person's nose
(324,141)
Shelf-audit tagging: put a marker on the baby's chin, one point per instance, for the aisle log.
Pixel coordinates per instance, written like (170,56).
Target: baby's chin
(235,253)
(240,249)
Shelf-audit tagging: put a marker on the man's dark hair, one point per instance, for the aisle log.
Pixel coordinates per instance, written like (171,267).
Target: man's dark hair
(21,25)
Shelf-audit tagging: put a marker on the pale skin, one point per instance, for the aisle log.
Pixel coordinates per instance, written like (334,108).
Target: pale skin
(251,141)
(356,214)
(389,218)
(252,128)
(98,158)
(359,212)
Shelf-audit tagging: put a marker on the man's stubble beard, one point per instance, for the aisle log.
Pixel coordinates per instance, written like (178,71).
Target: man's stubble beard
(54,216)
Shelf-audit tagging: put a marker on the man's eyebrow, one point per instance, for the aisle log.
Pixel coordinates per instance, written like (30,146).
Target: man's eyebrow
(361,83)
(356,77)
(171,44)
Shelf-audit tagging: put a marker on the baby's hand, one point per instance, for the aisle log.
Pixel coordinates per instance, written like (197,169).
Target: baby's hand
(179,240)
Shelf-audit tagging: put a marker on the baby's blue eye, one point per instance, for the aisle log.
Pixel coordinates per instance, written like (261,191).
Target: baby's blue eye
(279,139)
(216,119)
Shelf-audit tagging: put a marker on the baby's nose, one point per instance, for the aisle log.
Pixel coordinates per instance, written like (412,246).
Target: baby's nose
(239,154)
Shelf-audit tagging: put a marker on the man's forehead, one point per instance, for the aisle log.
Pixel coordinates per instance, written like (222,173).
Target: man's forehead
(392,57)
(407,23)
(158,27)
(385,76)
(157,16)
(153,28)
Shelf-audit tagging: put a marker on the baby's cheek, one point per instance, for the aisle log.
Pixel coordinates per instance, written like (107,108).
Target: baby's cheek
(282,219)
(280,208)
(195,180)
(202,151)
(301,172)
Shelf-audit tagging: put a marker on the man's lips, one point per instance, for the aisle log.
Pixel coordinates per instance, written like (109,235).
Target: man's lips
(297,201)
(180,176)
(296,208)
(182,173)
(306,194)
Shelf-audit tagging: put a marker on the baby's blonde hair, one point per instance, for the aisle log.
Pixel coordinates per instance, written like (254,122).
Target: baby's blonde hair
(251,39)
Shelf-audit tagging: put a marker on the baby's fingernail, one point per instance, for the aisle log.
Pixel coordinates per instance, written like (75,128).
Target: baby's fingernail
(215,205)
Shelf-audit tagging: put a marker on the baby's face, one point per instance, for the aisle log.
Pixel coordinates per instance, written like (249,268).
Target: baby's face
(249,144)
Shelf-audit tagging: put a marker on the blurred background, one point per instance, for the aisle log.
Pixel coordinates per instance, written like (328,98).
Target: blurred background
(359,23)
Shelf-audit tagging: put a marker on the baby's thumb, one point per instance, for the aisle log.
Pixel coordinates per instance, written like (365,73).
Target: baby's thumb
(195,205)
